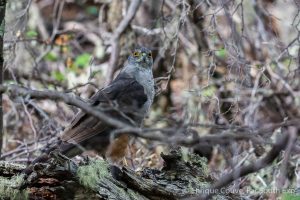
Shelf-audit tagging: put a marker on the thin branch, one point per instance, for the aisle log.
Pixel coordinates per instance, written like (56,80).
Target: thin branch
(284,165)
(167,135)
(251,168)
(133,7)
(30,121)
(67,98)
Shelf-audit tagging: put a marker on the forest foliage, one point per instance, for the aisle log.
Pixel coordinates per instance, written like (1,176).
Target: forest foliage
(227,81)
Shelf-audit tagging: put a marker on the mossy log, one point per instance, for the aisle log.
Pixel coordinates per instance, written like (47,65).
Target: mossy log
(182,176)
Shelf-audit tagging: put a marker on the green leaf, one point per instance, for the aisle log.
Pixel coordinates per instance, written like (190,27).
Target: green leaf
(51,56)
(221,53)
(94,73)
(290,196)
(82,60)
(92,10)
(208,91)
(31,34)
(57,75)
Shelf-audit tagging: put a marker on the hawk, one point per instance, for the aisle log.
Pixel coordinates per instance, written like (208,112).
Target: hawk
(127,98)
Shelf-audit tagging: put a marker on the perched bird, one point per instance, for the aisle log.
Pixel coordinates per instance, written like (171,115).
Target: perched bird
(128,98)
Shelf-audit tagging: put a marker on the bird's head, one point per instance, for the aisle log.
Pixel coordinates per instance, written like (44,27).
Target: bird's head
(141,57)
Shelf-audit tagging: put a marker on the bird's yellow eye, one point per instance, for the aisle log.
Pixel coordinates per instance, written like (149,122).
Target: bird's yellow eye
(150,55)
(136,54)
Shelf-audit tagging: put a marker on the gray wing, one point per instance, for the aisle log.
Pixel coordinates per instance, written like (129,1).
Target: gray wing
(124,90)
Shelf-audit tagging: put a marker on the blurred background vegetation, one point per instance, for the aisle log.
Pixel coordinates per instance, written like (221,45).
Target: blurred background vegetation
(218,64)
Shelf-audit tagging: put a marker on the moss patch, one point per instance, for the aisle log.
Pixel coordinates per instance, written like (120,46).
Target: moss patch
(9,188)
(90,175)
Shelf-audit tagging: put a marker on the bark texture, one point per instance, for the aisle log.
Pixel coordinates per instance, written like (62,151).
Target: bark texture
(181,177)
(2,29)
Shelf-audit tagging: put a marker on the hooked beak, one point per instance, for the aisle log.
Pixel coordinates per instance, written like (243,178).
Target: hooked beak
(144,57)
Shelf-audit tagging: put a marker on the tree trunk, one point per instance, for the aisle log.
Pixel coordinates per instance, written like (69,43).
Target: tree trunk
(2,29)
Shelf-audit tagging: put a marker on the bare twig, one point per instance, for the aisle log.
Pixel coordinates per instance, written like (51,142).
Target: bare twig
(283,170)
(245,170)
(30,121)
(126,128)
(144,31)
(54,95)
(284,82)
(133,7)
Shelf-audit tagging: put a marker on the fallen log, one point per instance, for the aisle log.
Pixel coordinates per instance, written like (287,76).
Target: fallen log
(182,176)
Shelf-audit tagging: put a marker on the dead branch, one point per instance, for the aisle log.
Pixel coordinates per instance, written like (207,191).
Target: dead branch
(67,98)
(182,175)
(133,7)
(251,168)
(15,90)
